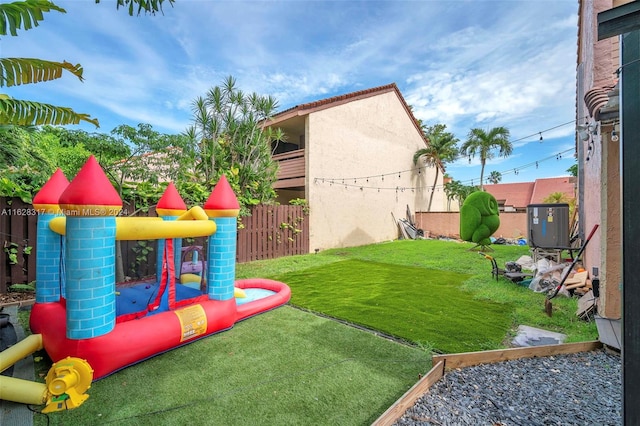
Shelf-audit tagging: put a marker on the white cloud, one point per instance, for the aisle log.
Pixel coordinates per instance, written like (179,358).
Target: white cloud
(462,63)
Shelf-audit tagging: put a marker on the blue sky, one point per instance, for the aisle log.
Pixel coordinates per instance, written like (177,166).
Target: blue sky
(465,64)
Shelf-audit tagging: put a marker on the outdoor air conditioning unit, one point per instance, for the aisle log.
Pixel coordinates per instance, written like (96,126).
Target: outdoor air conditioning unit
(548,226)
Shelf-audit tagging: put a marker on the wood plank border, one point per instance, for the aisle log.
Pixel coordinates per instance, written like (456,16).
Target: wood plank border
(442,363)
(407,400)
(469,359)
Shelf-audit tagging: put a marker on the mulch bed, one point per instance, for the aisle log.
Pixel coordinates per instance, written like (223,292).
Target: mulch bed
(17,297)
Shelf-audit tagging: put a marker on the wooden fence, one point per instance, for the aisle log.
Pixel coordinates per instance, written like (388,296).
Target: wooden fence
(270,232)
(18,223)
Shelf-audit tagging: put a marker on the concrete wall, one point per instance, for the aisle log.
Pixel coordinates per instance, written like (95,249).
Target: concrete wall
(360,170)
(512,224)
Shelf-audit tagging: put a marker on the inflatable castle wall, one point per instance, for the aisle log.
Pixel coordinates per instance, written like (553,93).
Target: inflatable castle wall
(79,309)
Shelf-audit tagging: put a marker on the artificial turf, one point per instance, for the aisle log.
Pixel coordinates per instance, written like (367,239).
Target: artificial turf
(290,367)
(283,367)
(422,306)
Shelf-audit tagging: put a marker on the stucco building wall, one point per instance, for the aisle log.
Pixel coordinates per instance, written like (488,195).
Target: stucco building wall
(360,170)
(598,158)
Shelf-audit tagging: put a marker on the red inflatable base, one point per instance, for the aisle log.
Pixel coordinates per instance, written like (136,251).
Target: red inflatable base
(134,341)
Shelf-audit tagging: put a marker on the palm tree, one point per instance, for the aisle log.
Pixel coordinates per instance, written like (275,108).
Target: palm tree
(495,177)
(15,71)
(556,198)
(440,150)
(228,136)
(456,190)
(484,143)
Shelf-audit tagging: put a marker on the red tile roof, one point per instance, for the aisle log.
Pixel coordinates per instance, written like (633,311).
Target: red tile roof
(511,194)
(340,99)
(545,187)
(519,195)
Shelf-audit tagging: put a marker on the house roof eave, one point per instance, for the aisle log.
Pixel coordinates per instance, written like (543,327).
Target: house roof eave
(310,107)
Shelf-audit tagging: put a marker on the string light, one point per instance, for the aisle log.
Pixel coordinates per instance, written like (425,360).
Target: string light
(429,188)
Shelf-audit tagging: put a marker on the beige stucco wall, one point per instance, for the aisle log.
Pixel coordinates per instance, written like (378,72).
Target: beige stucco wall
(353,145)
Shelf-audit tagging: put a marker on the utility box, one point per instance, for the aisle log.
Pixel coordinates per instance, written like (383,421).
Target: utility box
(548,225)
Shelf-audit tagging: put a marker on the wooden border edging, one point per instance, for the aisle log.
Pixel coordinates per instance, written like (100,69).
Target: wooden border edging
(411,396)
(20,303)
(469,359)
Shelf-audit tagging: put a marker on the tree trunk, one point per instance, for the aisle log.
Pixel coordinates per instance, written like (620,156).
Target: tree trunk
(433,188)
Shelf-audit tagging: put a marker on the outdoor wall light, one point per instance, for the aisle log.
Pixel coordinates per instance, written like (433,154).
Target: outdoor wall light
(615,134)
(583,133)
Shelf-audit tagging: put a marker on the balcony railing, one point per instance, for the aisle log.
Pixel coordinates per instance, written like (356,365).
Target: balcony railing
(291,172)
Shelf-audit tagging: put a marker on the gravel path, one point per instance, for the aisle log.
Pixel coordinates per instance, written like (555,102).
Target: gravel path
(576,389)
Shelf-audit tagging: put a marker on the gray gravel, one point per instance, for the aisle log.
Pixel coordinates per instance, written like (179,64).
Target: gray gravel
(575,389)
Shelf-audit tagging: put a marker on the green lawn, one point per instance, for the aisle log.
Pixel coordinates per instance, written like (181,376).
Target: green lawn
(292,367)
(424,306)
(418,259)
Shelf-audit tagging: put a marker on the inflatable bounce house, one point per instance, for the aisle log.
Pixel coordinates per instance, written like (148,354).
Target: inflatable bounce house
(92,326)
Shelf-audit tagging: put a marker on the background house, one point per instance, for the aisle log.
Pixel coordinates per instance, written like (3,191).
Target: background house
(351,158)
(514,197)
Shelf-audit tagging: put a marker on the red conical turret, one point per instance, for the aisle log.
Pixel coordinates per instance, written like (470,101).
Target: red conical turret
(90,193)
(171,203)
(222,202)
(47,199)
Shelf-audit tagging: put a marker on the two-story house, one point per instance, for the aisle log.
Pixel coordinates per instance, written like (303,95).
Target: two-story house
(351,158)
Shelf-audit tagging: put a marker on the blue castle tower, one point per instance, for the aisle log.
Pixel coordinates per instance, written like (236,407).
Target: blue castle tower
(49,245)
(90,204)
(223,208)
